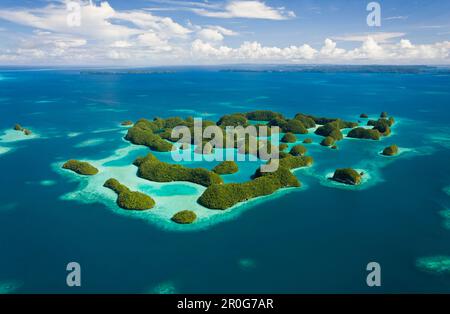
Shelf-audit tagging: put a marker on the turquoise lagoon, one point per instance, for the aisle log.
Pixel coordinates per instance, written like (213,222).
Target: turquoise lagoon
(316,238)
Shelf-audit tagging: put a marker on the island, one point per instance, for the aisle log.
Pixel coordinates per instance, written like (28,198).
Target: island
(390,150)
(307,141)
(226,167)
(364,116)
(363,133)
(126,123)
(283,146)
(328,141)
(128,199)
(289,138)
(152,169)
(80,167)
(184,217)
(298,150)
(25,131)
(263,115)
(347,176)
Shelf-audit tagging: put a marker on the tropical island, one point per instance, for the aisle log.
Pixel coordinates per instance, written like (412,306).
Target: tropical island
(80,167)
(347,176)
(25,131)
(390,150)
(216,195)
(128,199)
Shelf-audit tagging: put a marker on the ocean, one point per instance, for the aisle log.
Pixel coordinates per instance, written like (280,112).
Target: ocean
(315,239)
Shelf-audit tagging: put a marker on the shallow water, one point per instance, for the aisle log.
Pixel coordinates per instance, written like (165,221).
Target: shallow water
(318,238)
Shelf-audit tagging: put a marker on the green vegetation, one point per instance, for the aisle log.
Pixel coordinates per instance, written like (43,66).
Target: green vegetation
(390,150)
(184,217)
(364,116)
(235,119)
(295,126)
(263,115)
(331,129)
(18,127)
(127,199)
(283,146)
(142,133)
(298,150)
(328,141)
(227,195)
(307,121)
(280,122)
(226,167)
(126,123)
(150,168)
(383,126)
(363,133)
(289,138)
(347,176)
(307,141)
(80,167)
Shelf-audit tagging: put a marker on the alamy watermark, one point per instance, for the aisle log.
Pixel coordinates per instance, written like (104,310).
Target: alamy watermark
(374,17)
(252,142)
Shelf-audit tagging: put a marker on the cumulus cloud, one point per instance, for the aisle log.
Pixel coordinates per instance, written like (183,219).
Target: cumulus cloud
(247,9)
(136,37)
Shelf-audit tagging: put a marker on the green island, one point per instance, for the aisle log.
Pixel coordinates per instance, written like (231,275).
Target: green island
(347,176)
(25,131)
(227,195)
(126,123)
(156,134)
(390,150)
(434,264)
(226,167)
(127,199)
(80,167)
(184,217)
(328,141)
(364,116)
(298,150)
(152,169)
(289,138)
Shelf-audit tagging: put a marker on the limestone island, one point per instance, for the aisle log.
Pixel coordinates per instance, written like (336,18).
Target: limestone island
(289,138)
(328,141)
(226,167)
(80,167)
(128,199)
(184,217)
(298,150)
(18,127)
(347,176)
(307,141)
(126,123)
(390,150)
(363,116)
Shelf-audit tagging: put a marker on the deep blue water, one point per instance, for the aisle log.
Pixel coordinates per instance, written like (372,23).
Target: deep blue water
(317,239)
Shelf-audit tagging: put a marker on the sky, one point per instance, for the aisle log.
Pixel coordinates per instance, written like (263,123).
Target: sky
(210,32)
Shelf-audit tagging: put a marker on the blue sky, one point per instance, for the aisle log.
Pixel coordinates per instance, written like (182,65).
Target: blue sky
(173,32)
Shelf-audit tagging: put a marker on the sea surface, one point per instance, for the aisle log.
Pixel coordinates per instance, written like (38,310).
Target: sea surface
(315,239)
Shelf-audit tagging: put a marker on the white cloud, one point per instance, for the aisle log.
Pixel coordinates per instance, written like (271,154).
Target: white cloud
(379,37)
(214,33)
(247,9)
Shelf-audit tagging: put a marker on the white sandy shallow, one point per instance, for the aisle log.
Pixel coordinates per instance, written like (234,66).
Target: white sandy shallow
(170,197)
(10,136)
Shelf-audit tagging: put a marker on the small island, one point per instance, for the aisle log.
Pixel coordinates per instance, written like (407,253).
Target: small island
(364,116)
(390,150)
(25,131)
(126,123)
(298,150)
(328,141)
(150,168)
(363,133)
(307,141)
(184,217)
(226,167)
(80,167)
(347,176)
(128,199)
(289,138)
